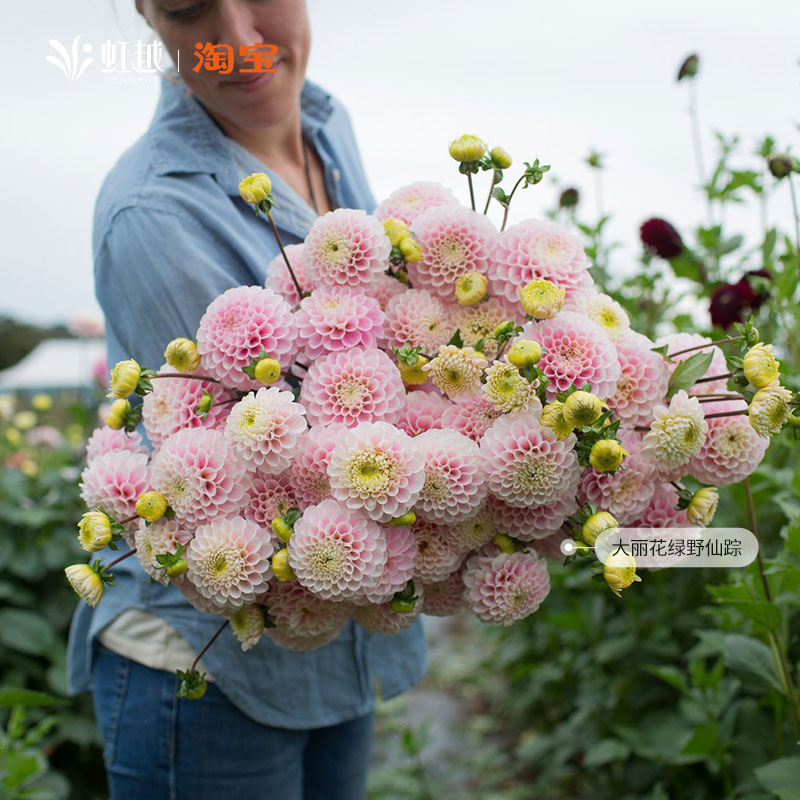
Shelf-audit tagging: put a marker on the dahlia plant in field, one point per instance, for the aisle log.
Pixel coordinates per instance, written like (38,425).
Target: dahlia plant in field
(410,417)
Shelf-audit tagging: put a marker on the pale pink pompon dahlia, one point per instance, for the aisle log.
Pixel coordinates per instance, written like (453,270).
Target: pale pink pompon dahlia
(240,324)
(279,279)
(105,440)
(642,381)
(531,523)
(575,351)
(229,562)
(336,553)
(472,414)
(382,619)
(455,484)
(444,597)
(309,472)
(526,465)
(346,247)
(155,539)
(264,428)
(337,318)
(268,497)
(112,482)
(454,240)
(506,587)
(170,407)
(200,475)
(538,249)
(732,449)
(408,202)
(353,386)
(376,468)
(419,319)
(681,341)
(662,510)
(438,551)
(423,411)
(401,556)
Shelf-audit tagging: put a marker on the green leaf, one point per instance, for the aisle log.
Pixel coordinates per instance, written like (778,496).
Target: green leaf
(687,265)
(27,697)
(605,751)
(20,768)
(704,740)
(671,675)
(27,632)
(782,777)
(752,656)
(688,372)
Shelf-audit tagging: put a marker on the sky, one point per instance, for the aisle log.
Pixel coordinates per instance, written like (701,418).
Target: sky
(551,79)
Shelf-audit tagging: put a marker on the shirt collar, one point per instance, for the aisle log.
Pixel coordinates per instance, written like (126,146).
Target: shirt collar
(185,139)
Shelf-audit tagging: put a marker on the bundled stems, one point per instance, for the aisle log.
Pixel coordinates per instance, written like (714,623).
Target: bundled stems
(209,643)
(286,258)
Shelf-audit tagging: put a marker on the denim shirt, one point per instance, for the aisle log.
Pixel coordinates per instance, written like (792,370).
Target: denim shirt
(171,233)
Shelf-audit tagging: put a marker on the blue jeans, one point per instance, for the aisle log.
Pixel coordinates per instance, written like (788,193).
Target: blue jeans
(162,747)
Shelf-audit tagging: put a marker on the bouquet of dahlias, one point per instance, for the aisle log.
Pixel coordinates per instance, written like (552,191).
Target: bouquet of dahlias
(415,412)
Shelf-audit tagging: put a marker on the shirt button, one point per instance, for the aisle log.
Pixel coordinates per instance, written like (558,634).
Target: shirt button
(336,174)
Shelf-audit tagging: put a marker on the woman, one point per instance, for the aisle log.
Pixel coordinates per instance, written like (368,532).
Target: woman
(170,234)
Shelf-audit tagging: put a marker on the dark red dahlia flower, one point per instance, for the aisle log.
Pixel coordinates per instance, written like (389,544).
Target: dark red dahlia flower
(759,298)
(729,302)
(659,237)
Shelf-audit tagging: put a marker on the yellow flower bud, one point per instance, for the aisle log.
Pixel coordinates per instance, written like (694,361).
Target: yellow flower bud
(703,506)
(281,567)
(553,418)
(500,157)
(470,288)
(401,522)
(181,354)
(410,249)
(13,436)
(583,408)
(177,569)
(396,230)
(596,524)
(255,188)
(117,413)
(267,371)
(467,148)
(24,420)
(769,409)
(524,353)
(151,506)
(94,531)
(413,374)
(606,455)
(124,378)
(620,572)
(760,367)
(85,582)
(42,402)
(281,529)
(541,298)
(504,542)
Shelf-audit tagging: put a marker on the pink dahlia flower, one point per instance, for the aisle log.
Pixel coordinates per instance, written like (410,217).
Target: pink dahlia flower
(199,473)
(532,524)
(384,288)
(718,366)
(503,588)
(279,279)
(346,247)
(229,562)
(438,551)
(732,449)
(642,381)
(156,539)
(550,546)
(662,510)
(418,319)
(401,552)
(575,351)
(170,407)
(264,427)
(538,249)
(381,619)
(113,482)
(455,484)
(335,553)
(240,324)
(423,411)
(353,386)
(376,468)
(454,240)
(443,598)
(626,492)
(309,473)
(106,440)
(602,309)
(302,620)
(337,318)
(268,497)
(526,465)
(408,202)
(472,415)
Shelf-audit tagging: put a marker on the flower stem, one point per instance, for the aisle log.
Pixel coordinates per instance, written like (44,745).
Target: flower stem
(491,189)
(706,344)
(796,219)
(120,558)
(209,643)
(285,257)
(184,375)
(471,190)
(508,202)
(725,414)
(714,378)
(698,144)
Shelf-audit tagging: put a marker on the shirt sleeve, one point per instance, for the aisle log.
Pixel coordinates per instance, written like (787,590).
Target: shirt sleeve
(156,271)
